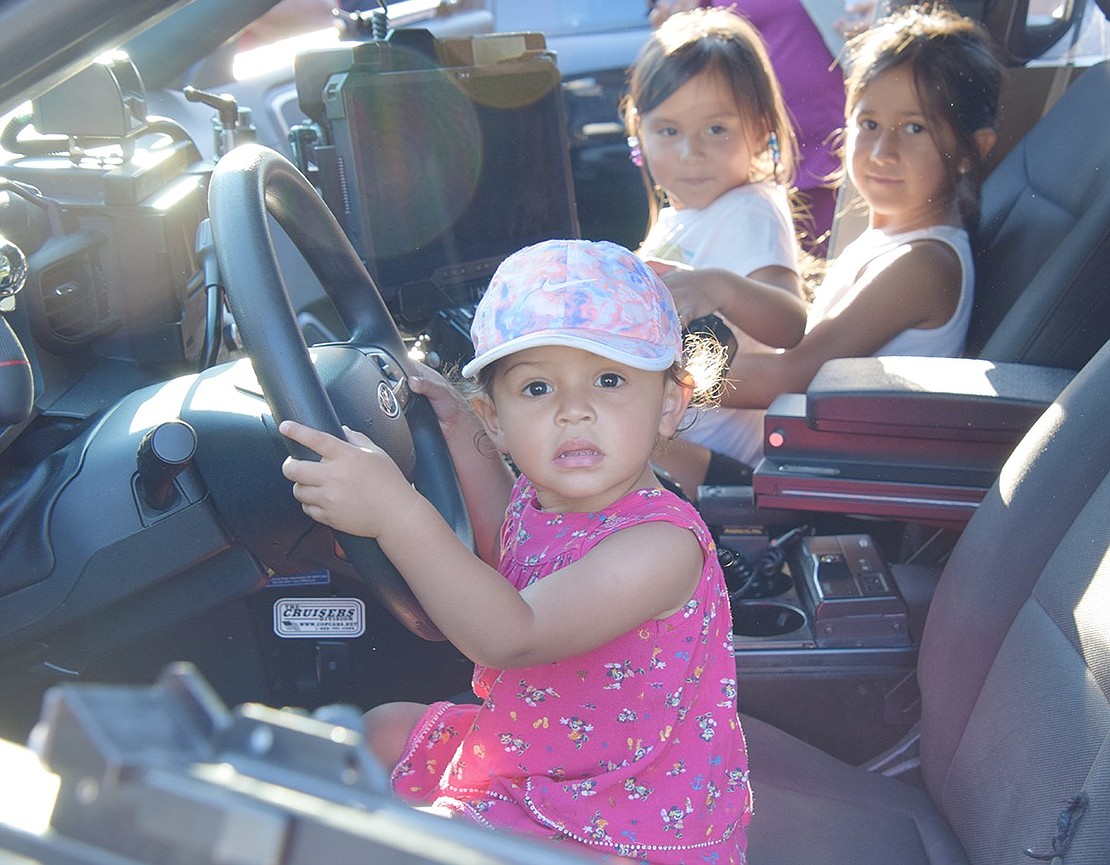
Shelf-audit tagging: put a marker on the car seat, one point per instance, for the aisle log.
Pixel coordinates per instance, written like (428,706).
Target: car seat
(1014,671)
(1042,247)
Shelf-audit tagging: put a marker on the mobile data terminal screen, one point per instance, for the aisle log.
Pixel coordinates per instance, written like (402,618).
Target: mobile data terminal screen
(453,169)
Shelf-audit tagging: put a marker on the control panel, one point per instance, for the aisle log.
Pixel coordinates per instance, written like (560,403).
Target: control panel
(855,599)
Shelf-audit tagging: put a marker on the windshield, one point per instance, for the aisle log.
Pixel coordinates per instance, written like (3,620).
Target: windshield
(560,17)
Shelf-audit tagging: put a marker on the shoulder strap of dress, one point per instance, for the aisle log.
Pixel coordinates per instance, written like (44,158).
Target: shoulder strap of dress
(656,506)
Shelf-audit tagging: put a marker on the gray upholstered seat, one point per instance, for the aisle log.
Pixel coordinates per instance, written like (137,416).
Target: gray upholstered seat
(1042,250)
(1014,671)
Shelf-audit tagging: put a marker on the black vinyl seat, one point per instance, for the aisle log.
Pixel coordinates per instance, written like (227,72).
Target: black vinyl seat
(1042,248)
(1014,672)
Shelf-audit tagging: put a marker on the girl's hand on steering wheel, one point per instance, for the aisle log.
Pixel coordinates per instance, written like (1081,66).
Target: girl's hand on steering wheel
(451,408)
(355,487)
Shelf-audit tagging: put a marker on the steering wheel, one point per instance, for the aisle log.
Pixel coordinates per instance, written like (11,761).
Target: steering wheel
(366,375)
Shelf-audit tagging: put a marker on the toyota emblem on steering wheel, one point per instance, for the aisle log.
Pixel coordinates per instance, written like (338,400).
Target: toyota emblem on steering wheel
(387,400)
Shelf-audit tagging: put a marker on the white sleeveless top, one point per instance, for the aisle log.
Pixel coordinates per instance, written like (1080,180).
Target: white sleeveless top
(739,432)
(841,286)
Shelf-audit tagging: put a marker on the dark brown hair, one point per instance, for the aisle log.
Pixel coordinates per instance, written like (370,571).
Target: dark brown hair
(957,74)
(724,44)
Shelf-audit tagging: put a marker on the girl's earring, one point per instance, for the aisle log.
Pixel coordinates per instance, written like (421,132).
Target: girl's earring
(773,143)
(634,151)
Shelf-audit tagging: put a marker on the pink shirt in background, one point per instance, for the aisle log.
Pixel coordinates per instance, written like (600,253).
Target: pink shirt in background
(813,90)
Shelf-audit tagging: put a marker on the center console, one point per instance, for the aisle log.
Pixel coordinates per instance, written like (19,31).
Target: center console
(907,438)
(832,592)
(876,450)
(828,648)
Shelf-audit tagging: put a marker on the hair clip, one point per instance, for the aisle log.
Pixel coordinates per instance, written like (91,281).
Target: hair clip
(634,151)
(773,143)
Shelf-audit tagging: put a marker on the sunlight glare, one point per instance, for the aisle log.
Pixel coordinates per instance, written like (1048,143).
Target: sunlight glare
(279,55)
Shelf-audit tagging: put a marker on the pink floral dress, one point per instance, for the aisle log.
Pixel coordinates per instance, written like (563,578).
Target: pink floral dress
(632,749)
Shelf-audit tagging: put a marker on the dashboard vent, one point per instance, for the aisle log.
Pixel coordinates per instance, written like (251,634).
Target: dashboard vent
(73,303)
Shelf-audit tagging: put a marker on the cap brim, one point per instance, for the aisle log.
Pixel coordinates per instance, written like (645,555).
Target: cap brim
(629,352)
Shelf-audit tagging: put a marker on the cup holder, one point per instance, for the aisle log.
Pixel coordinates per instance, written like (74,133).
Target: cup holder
(766,618)
(778,584)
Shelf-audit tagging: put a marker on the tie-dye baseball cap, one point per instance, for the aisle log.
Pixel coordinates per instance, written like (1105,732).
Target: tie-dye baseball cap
(592,295)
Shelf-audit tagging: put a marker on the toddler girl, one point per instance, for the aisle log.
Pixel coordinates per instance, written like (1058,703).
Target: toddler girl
(922,99)
(708,122)
(603,648)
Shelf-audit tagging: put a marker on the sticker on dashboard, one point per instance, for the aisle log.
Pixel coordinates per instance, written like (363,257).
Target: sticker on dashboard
(309,578)
(296,618)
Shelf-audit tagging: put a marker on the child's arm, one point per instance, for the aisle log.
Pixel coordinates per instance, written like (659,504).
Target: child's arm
(916,286)
(486,480)
(767,304)
(643,572)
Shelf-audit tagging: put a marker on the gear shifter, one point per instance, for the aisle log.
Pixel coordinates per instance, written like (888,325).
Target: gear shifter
(164,453)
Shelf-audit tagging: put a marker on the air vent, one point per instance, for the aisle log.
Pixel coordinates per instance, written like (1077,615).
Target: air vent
(73,303)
